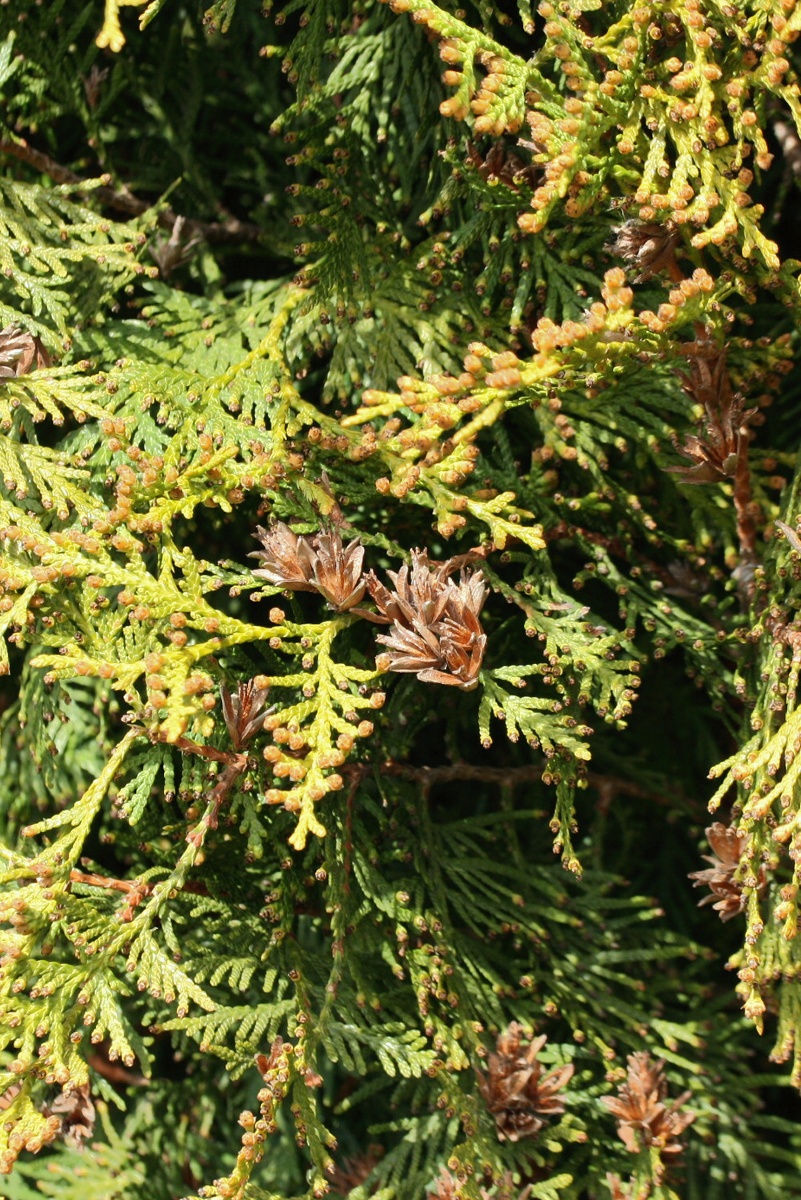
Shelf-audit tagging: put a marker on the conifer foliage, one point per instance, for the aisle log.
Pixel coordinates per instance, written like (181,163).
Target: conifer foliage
(398,485)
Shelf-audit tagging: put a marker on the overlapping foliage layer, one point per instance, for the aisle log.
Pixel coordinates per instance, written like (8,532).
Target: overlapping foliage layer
(492,369)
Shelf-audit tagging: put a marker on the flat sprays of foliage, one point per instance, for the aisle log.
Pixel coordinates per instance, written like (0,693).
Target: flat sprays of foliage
(398,484)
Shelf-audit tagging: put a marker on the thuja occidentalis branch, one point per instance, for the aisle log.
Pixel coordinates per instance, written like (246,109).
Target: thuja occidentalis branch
(122,200)
(136,890)
(720,452)
(510,777)
(235,765)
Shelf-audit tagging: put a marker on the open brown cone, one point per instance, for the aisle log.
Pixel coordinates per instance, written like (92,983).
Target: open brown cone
(20,352)
(515,1090)
(321,563)
(644,1119)
(436,633)
(726,892)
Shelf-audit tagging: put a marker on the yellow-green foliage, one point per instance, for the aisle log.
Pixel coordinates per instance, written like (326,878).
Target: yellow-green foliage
(536,335)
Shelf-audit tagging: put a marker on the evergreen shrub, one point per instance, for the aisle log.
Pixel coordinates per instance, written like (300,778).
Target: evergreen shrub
(399,525)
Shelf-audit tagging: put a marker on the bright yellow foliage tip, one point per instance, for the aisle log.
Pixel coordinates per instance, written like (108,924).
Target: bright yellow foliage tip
(111,36)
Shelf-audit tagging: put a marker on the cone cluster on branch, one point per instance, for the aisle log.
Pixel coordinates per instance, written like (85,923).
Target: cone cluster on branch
(517,1093)
(644,1119)
(726,892)
(436,633)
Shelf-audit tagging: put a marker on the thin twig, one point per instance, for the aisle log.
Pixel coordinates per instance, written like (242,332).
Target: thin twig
(135,889)
(743,507)
(219,794)
(105,881)
(121,199)
(208,752)
(429,777)
(236,764)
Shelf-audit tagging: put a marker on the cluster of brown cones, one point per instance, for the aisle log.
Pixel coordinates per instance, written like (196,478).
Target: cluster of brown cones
(521,1098)
(436,633)
(435,629)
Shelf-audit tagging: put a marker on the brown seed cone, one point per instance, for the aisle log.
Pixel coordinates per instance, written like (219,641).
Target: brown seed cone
(77,1112)
(243,712)
(353,1172)
(267,1062)
(505,1189)
(715,455)
(312,564)
(650,247)
(726,893)
(502,164)
(420,595)
(436,632)
(337,570)
(643,1117)
(285,558)
(20,352)
(448,1189)
(516,1092)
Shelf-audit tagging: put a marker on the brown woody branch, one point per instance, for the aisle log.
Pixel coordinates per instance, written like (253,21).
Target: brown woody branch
(135,889)
(122,200)
(217,797)
(208,752)
(428,777)
(105,881)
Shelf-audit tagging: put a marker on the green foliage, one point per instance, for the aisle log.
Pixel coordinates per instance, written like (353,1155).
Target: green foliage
(492,371)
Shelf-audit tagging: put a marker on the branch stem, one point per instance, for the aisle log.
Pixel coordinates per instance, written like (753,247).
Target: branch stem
(231,229)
